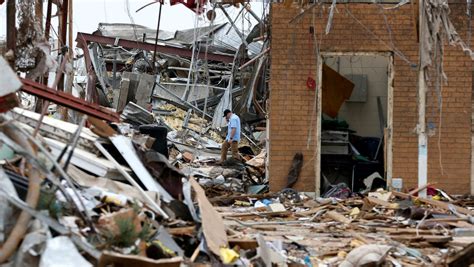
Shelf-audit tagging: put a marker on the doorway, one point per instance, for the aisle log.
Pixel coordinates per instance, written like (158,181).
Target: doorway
(355,96)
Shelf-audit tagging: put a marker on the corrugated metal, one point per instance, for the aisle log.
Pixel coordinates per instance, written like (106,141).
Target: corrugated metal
(132,32)
(223,42)
(187,36)
(233,41)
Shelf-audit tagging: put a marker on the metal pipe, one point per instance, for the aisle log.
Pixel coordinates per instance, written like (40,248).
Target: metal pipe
(63,37)
(70,75)
(156,38)
(129,178)
(255,58)
(248,7)
(39,13)
(63,10)
(47,27)
(233,25)
(11,21)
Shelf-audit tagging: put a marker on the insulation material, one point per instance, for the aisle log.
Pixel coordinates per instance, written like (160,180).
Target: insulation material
(29,34)
(436,19)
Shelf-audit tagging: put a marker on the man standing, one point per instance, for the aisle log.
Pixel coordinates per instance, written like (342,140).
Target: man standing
(233,136)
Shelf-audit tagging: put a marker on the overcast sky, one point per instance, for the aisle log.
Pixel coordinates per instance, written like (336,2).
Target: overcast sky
(89,13)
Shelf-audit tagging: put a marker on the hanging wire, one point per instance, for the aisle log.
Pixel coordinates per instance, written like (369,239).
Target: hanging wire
(469,22)
(314,48)
(389,29)
(317,49)
(209,41)
(391,46)
(439,91)
(196,67)
(191,66)
(206,62)
(127,9)
(105,12)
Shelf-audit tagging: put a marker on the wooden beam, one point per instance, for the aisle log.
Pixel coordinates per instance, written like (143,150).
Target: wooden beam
(39,12)
(436,203)
(383,203)
(11,22)
(334,215)
(463,258)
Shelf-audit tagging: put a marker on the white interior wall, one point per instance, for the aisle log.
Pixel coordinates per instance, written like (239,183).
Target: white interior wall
(363,117)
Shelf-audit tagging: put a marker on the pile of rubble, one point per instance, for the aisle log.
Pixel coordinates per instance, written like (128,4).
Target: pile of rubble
(112,190)
(147,187)
(379,229)
(100,192)
(149,190)
(105,196)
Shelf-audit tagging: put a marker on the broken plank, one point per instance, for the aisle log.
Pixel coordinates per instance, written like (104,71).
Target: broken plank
(463,258)
(57,129)
(436,203)
(123,96)
(338,217)
(419,238)
(241,197)
(243,243)
(383,203)
(416,190)
(402,231)
(257,214)
(109,258)
(264,228)
(85,160)
(144,90)
(311,211)
(125,147)
(180,231)
(212,224)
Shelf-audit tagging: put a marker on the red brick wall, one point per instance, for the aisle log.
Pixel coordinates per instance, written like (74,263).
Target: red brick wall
(291,103)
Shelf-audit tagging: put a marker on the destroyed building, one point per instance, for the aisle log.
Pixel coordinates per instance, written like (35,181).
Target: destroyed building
(375,47)
(110,147)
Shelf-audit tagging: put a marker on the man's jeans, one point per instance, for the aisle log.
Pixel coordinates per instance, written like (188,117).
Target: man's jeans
(234,147)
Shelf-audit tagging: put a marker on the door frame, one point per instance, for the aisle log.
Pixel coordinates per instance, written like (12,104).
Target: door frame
(388,143)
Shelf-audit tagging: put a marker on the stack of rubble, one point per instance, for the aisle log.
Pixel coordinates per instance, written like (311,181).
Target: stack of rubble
(115,194)
(112,192)
(110,195)
(381,229)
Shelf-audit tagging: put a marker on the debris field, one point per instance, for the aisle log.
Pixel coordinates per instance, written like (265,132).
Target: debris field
(111,151)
